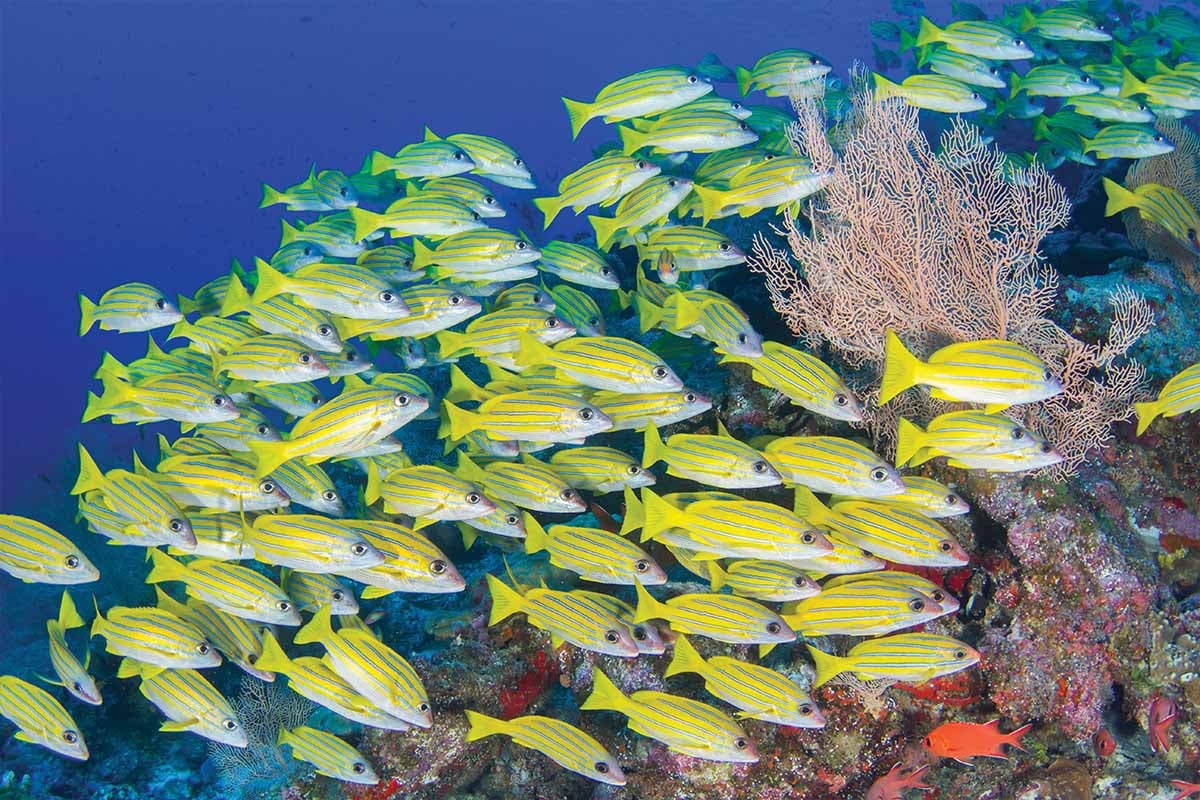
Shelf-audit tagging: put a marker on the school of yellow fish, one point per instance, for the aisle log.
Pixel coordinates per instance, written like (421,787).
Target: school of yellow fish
(234,561)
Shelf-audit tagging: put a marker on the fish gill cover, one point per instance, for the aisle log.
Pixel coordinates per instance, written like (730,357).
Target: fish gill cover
(405,523)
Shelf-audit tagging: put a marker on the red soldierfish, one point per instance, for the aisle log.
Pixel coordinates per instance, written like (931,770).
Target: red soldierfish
(1186,789)
(962,741)
(892,785)
(1162,715)
(1104,743)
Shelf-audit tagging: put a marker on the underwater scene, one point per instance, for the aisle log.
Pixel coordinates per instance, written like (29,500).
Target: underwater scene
(547,401)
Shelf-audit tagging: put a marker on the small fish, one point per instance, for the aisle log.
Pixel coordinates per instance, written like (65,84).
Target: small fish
(634,412)
(975,37)
(181,396)
(499,332)
(427,493)
(333,234)
(218,482)
(963,741)
(311,543)
(212,335)
(235,589)
(235,435)
(649,202)
(72,675)
(271,359)
(1160,718)
(973,439)
(594,554)
(154,636)
(327,190)
(412,562)
(686,726)
(725,618)
(347,290)
(1161,205)
(692,248)
(578,309)
(1103,743)
(687,131)
(773,581)
(960,66)
(611,363)
(719,460)
(330,755)
(282,317)
(237,639)
(36,553)
(1161,89)
(310,486)
(804,379)
(529,484)
(465,190)
(1180,395)
(147,515)
(899,778)
(641,94)
(932,92)
(605,181)
(40,718)
(781,182)
(862,608)
(128,308)
(564,744)
(537,415)
(435,158)
(466,255)
(909,657)
(1066,23)
(1125,140)
(600,469)
(578,264)
(761,693)
(567,616)
(493,158)
(189,702)
(1110,109)
(1054,80)
(832,464)
(779,73)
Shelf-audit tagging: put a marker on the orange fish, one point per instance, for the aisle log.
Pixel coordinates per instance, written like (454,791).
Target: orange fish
(962,741)
(1162,715)
(1104,743)
(892,785)
(1186,789)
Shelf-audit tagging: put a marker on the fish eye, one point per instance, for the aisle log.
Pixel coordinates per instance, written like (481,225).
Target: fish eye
(634,469)
(251,659)
(401,399)
(741,743)
(641,164)
(1046,448)
(800,581)
(160,303)
(266,487)
(639,633)
(742,338)
(308,251)
(605,271)
(324,330)
(769,157)
(72,562)
(1018,433)
(343,191)
(1158,137)
(641,565)
(1047,375)
(551,322)
(568,494)
(927,741)
(1085,79)
(459,155)
(488,200)
(659,372)
(306,358)
(512,519)
(690,397)
(358,767)
(350,356)
(475,216)
(437,567)
(692,79)
(879,474)
(672,183)
(917,604)
(521,245)
(760,467)
(359,549)
(974,95)
(229,725)
(316,399)
(284,605)
(945,547)
(594,321)
(586,414)
(455,299)
(387,297)
(176,525)
(70,737)
(807,537)
(474,497)
(1019,42)
(612,637)
(994,71)
(202,648)
(77,686)
(338,595)
(938,595)
(725,247)
(600,766)
(518,162)
(773,627)
(841,399)
(743,126)
(262,430)
(329,495)
(219,400)
(951,499)
(960,653)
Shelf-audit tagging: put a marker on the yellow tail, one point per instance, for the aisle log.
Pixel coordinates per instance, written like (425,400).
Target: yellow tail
(535,535)
(578,113)
(605,695)
(269,455)
(87,314)
(653,447)
(828,667)
(1146,413)
(909,439)
(549,206)
(659,515)
(685,659)
(482,725)
(506,601)
(900,368)
(1118,198)
(647,607)
(318,629)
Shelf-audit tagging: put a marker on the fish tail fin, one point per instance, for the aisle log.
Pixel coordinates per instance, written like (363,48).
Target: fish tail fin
(271,281)
(97,621)
(685,659)
(647,607)
(422,255)
(653,447)
(828,666)
(606,230)
(885,88)
(167,603)
(457,423)
(506,601)
(68,615)
(1130,84)
(909,439)
(269,455)
(900,368)
(469,535)
(1014,85)
(687,313)
(462,388)
(631,139)
(236,297)
(716,576)
(806,506)
(365,222)
(549,206)
(578,113)
(91,477)
(283,737)
(87,314)
(318,629)
(165,450)
(927,32)
(128,668)
(109,364)
(452,342)
(1013,738)
(532,351)
(481,725)
(605,695)
(634,513)
(270,196)
(1146,414)
(535,535)
(1118,198)
(907,42)
(659,515)
(165,568)
(1028,20)
(379,163)
(712,201)
(374,484)
(649,314)
(744,78)
(272,658)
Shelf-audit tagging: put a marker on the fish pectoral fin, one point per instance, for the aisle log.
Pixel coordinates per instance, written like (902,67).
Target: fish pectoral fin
(22,736)
(750,713)
(49,681)
(995,408)
(171,726)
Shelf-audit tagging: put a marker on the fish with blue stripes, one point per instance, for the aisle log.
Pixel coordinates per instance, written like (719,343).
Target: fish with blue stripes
(128,308)
(593,553)
(189,702)
(40,719)
(331,756)
(230,587)
(35,553)
(566,616)
(714,460)
(561,742)
(72,675)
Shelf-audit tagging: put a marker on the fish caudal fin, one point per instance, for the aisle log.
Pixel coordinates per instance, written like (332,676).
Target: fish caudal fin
(269,455)
(1130,85)
(87,314)
(270,196)
(927,32)
(457,423)
(605,695)
(578,113)
(1013,738)
(634,516)
(828,666)
(236,297)
(535,535)
(631,139)
(273,659)
(649,314)
(462,388)
(1118,198)
(271,282)
(482,725)
(165,568)
(659,515)
(885,88)
(806,506)
(91,477)
(318,629)
(712,201)
(606,230)
(909,439)
(506,601)
(653,447)
(365,222)
(685,659)
(647,607)
(900,369)
(744,79)
(549,206)
(1146,413)
(68,615)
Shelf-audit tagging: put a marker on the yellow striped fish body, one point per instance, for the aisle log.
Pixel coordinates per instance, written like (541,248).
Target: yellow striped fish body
(760,692)
(311,590)
(189,446)
(499,332)
(347,290)
(431,216)
(653,200)
(780,72)
(157,362)
(600,469)
(411,563)
(930,589)
(410,383)
(232,588)
(474,195)
(908,657)
(934,500)
(310,486)
(635,411)
(313,679)
(219,482)
(537,415)
(271,359)
(154,636)
(130,508)
(476,255)
(725,528)
(683,725)
(566,616)
(432,309)
(189,702)
(525,294)
(725,618)
(119,529)
(280,316)
(235,435)
(720,460)
(644,634)
(578,264)
(1032,455)
(494,159)
(375,670)
(960,433)
(1180,395)
(578,309)
(41,719)
(561,742)
(893,532)
(331,756)
(180,396)
(650,91)
(717,319)
(594,553)
(782,181)
(350,361)
(834,465)
(238,640)
(428,493)
(334,234)
(805,380)
(36,553)
(604,362)
(692,248)
(1161,205)
(506,520)
(846,559)
(347,423)
(862,608)
(219,537)
(604,180)
(766,580)
(213,335)
(128,308)
(296,399)
(529,484)
(71,673)
(436,158)
(311,543)
(994,372)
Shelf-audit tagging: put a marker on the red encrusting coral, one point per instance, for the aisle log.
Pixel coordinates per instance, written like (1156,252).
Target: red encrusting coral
(542,672)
